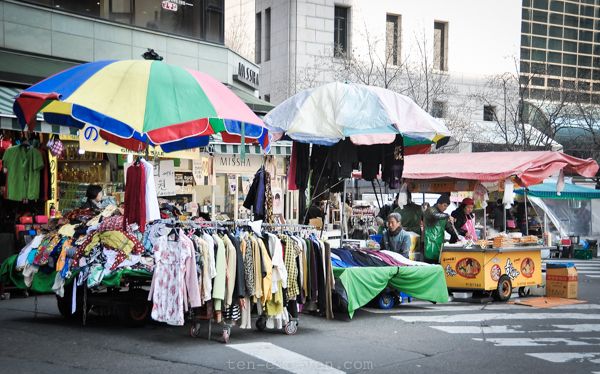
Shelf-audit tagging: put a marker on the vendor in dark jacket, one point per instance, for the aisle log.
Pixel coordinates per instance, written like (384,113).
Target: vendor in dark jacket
(462,214)
(94,197)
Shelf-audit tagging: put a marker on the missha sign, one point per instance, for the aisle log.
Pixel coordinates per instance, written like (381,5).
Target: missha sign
(247,76)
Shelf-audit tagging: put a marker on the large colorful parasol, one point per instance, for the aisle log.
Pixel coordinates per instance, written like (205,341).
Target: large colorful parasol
(366,114)
(139,102)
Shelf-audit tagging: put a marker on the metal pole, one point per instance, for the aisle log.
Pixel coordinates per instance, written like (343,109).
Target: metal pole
(526,213)
(342,216)
(484,224)
(504,210)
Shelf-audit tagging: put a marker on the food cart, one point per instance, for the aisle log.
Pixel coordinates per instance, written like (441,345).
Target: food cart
(492,270)
(507,262)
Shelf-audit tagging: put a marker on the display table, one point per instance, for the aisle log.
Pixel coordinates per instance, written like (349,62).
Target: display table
(42,282)
(492,269)
(363,284)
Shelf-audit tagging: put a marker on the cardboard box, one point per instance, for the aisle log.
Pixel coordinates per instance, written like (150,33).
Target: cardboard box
(561,280)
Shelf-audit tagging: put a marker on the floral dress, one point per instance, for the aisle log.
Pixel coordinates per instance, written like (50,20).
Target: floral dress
(174,280)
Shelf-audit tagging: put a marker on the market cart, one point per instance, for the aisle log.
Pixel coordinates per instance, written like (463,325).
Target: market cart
(492,270)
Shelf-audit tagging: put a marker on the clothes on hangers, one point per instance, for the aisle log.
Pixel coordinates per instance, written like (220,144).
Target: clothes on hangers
(24,165)
(135,195)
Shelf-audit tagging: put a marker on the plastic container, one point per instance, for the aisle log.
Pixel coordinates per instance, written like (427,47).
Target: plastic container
(377,238)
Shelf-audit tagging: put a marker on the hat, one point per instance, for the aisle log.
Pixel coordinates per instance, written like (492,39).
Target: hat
(444,199)
(468,201)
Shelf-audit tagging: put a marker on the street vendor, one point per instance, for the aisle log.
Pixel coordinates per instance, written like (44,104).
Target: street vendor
(395,239)
(436,222)
(464,221)
(94,196)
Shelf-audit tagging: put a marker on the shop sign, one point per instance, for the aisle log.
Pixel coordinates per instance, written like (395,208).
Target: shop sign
(91,141)
(184,178)
(164,178)
(202,171)
(234,164)
(246,76)
(167,5)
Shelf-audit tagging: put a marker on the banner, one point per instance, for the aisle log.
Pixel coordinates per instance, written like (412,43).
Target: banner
(90,141)
(164,178)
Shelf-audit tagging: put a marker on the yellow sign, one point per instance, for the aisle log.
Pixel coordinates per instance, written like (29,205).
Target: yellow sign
(53,198)
(91,141)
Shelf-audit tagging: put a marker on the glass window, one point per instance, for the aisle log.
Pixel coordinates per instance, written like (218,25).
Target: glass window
(267,34)
(586,23)
(570,34)
(524,67)
(583,97)
(587,11)
(586,36)
(214,21)
(554,70)
(554,57)
(572,8)
(340,32)
(539,29)
(538,81)
(525,40)
(557,6)
(569,59)
(526,14)
(489,113)
(392,37)
(585,48)
(596,74)
(555,83)
(539,42)
(556,32)
(596,87)
(584,73)
(526,27)
(540,4)
(555,44)
(526,2)
(538,94)
(440,45)
(571,21)
(438,109)
(568,84)
(584,60)
(569,46)
(537,68)
(538,55)
(569,71)
(525,53)
(258,38)
(583,85)
(540,16)
(556,19)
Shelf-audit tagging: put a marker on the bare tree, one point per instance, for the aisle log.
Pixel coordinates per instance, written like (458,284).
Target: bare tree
(236,37)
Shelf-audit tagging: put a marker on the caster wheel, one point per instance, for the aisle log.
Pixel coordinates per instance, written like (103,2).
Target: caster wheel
(386,301)
(261,324)
(225,336)
(290,328)
(195,330)
(524,291)
(504,290)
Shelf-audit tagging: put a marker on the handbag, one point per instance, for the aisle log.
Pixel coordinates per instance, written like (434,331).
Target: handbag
(510,224)
(55,146)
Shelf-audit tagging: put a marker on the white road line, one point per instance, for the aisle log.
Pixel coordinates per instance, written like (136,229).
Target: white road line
(517,329)
(281,358)
(593,276)
(533,342)
(479,317)
(588,272)
(562,357)
(467,308)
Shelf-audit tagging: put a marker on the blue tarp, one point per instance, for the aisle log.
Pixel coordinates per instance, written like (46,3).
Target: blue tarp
(547,190)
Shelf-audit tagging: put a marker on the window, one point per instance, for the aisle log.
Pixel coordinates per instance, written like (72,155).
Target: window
(489,113)
(440,45)
(258,38)
(392,38)
(438,109)
(340,31)
(267,98)
(267,34)
(215,30)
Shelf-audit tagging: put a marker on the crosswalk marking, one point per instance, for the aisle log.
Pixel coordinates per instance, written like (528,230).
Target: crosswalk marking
(562,357)
(479,317)
(538,342)
(516,329)
(593,276)
(281,358)
(417,308)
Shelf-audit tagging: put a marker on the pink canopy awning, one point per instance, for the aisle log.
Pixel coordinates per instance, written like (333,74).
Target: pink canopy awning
(528,167)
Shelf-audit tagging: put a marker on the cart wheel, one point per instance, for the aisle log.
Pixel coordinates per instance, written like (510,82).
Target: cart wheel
(134,314)
(290,328)
(226,333)
(504,290)
(524,291)
(261,323)
(386,301)
(195,329)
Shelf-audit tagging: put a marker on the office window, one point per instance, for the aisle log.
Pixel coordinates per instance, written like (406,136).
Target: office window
(392,38)
(438,109)
(215,29)
(340,31)
(489,113)
(267,34)
(258,38)
(440,45)
(267,98)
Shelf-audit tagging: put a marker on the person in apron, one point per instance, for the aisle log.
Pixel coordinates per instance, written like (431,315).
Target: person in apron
(436,223)
(465,221)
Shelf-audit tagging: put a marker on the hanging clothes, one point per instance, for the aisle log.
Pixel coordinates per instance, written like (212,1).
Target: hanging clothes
(255,200)
(135,195)
(24,165)
(152,208)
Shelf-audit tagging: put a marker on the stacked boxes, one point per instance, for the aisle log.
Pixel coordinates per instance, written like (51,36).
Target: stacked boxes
(561,280)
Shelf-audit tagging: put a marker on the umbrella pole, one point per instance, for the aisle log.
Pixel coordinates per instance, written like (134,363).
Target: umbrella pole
(526,213)
(342,216)
(316,187)
(484,224)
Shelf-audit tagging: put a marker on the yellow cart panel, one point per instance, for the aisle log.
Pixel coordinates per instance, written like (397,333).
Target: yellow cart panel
(480,269)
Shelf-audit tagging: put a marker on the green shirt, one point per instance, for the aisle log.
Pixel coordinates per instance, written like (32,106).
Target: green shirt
(411,217)
(24,165)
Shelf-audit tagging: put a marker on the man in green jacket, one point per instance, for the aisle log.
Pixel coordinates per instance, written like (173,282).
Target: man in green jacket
(436,222)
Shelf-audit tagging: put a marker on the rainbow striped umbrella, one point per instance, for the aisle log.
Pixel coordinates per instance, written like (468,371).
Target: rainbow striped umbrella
(139,102)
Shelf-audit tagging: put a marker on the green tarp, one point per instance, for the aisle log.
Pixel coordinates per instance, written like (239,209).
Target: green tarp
(42,282)
(363,284)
